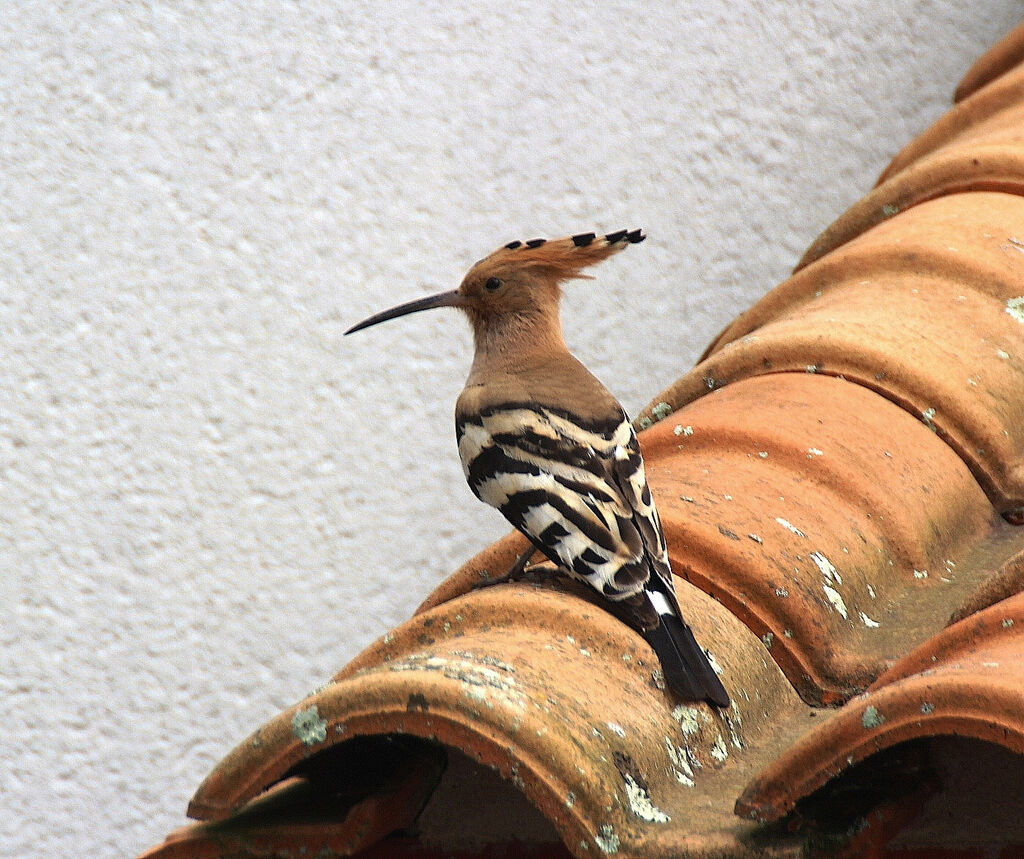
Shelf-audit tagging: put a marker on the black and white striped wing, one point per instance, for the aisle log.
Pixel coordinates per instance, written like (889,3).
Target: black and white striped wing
(578,491)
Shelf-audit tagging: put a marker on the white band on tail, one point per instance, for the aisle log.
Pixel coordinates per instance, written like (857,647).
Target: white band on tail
(660,603)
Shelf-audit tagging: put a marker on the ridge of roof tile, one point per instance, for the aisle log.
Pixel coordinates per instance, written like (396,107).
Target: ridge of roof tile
(577,721)
(1004,55)
(922,309)
(968,681)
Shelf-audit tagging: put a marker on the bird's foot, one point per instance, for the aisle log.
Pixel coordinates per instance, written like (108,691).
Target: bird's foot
(537,574)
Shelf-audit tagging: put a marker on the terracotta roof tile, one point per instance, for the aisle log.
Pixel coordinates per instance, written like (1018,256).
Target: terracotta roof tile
(1003,56)
(924,309)
(968,681)
(975,147)
(992,110)
(560,698)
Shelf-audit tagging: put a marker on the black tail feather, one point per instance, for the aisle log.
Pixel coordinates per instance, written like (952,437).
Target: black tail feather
(688,673)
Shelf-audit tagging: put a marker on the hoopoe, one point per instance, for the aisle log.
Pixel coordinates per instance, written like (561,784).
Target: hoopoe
(543,441)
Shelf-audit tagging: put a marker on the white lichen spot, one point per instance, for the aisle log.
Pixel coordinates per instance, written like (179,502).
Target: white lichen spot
(928,416)
(763,454)
(826,567)
(689,499)
(681,430)
(788,633)
(756,538)
(584,652)
(734,725)
(920,574)
(661,411)
(570,639)
(618,730)
(813,451)
(320,689)
(308,727)
(781,592)
(1002,353)
(871,592)
(644,422)
(836,599)
(389,637)
(719,751)
(727,497)
(871,718)
(687,717)
(927,708)
(789,526)
(868,622)
(627,657)
(680,765)
(606,839)
(447,627)
(485,680)
(1007,622)
(768,639)
(570,799)
(888,210)
(640,803)
(1015,307)
(713,662)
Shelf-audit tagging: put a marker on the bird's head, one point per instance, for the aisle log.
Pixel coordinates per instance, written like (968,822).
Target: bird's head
(518,281)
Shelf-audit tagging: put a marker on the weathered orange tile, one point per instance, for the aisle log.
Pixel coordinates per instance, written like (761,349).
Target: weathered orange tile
(990,108)
(995,164)
(978,146)
(825,517)
(560,698)
(967,681)
(300,816)
(927,309)
(1003,56)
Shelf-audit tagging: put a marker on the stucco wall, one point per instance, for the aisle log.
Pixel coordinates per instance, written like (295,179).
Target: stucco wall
(211,500)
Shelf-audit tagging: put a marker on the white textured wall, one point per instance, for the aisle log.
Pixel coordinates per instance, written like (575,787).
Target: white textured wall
(210,499)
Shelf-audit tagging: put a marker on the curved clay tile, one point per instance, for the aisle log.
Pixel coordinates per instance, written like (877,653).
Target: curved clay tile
(991,109)
(926,309)
(995,163)
(827,519)
(1003,56)
(967,682)
(977,146)
(559,698)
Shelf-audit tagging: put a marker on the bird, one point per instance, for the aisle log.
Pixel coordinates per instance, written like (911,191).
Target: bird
(548,445)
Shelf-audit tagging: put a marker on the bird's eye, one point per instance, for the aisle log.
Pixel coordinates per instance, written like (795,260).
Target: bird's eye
(492,284)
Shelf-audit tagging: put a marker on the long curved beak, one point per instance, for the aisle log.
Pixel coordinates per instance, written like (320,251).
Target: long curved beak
(443,299)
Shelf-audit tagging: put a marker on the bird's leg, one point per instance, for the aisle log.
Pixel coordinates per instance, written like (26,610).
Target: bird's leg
(517,573)
(517,568)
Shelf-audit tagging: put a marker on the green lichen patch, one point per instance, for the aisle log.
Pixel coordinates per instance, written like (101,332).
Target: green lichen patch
(308,727)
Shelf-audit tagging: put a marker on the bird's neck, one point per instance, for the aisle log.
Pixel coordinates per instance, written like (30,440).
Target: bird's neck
(515,343)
